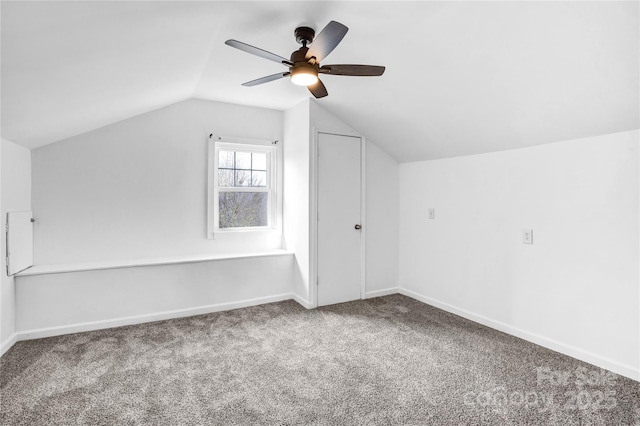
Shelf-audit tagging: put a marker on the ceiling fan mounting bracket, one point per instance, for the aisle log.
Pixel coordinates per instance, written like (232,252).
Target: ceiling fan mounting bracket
(304,35)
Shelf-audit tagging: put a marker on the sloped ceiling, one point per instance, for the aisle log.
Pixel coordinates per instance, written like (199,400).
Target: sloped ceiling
(462,77)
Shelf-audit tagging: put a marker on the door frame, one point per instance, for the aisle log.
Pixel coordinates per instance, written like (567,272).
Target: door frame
(313,211)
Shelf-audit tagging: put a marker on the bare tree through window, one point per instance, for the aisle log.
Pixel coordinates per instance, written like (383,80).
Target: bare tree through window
(242,209)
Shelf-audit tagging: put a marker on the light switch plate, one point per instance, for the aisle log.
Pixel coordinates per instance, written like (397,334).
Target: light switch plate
(527,236)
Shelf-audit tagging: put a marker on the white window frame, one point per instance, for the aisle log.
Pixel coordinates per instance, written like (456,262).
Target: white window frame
(240,145)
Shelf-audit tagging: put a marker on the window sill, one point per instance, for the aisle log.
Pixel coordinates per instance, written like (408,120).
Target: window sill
(117,264)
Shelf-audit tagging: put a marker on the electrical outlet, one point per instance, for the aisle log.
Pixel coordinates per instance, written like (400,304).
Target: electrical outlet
(432,213)
(527,236)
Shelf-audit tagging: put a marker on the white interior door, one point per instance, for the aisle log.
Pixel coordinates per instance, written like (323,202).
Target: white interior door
(339,195)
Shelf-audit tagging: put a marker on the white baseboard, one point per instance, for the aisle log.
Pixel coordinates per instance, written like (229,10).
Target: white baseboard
(139,319)
(303,302)
(8,343)
(383,292)
(582,355)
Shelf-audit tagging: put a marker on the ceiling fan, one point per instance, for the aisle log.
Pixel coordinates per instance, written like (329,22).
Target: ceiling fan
(304,65)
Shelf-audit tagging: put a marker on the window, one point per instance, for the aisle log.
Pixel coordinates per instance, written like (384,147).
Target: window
(242,180)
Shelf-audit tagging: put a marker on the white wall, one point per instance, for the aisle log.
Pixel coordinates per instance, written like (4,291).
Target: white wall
(324,121)
(53,304)
(576,288)
(382,222)
(296,200)
(138,188)
(3,347)
(15,196)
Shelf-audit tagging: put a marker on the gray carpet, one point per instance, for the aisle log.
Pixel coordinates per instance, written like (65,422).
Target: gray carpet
(390,360)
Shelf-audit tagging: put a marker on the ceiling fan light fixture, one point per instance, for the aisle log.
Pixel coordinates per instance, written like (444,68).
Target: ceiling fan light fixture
(304,76)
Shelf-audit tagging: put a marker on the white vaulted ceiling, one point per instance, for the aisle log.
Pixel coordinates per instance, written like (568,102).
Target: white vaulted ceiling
(462,77)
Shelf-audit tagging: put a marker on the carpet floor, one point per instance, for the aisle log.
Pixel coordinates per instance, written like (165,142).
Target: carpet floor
(390,360)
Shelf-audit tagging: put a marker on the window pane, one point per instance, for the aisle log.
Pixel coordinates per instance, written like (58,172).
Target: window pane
(259,161)
(225,159)
(225,177)
(243,178)
(243,160)
(242,209)
(259,178)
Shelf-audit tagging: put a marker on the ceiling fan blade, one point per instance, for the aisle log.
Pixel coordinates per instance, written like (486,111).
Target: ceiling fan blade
(318,90)
(326,41)
(355,70)
(258,52)
(266,79)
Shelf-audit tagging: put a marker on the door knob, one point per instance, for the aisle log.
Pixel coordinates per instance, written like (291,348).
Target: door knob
(358,227)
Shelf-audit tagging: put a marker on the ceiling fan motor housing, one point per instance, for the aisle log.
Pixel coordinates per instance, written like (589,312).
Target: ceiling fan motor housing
(300,55)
